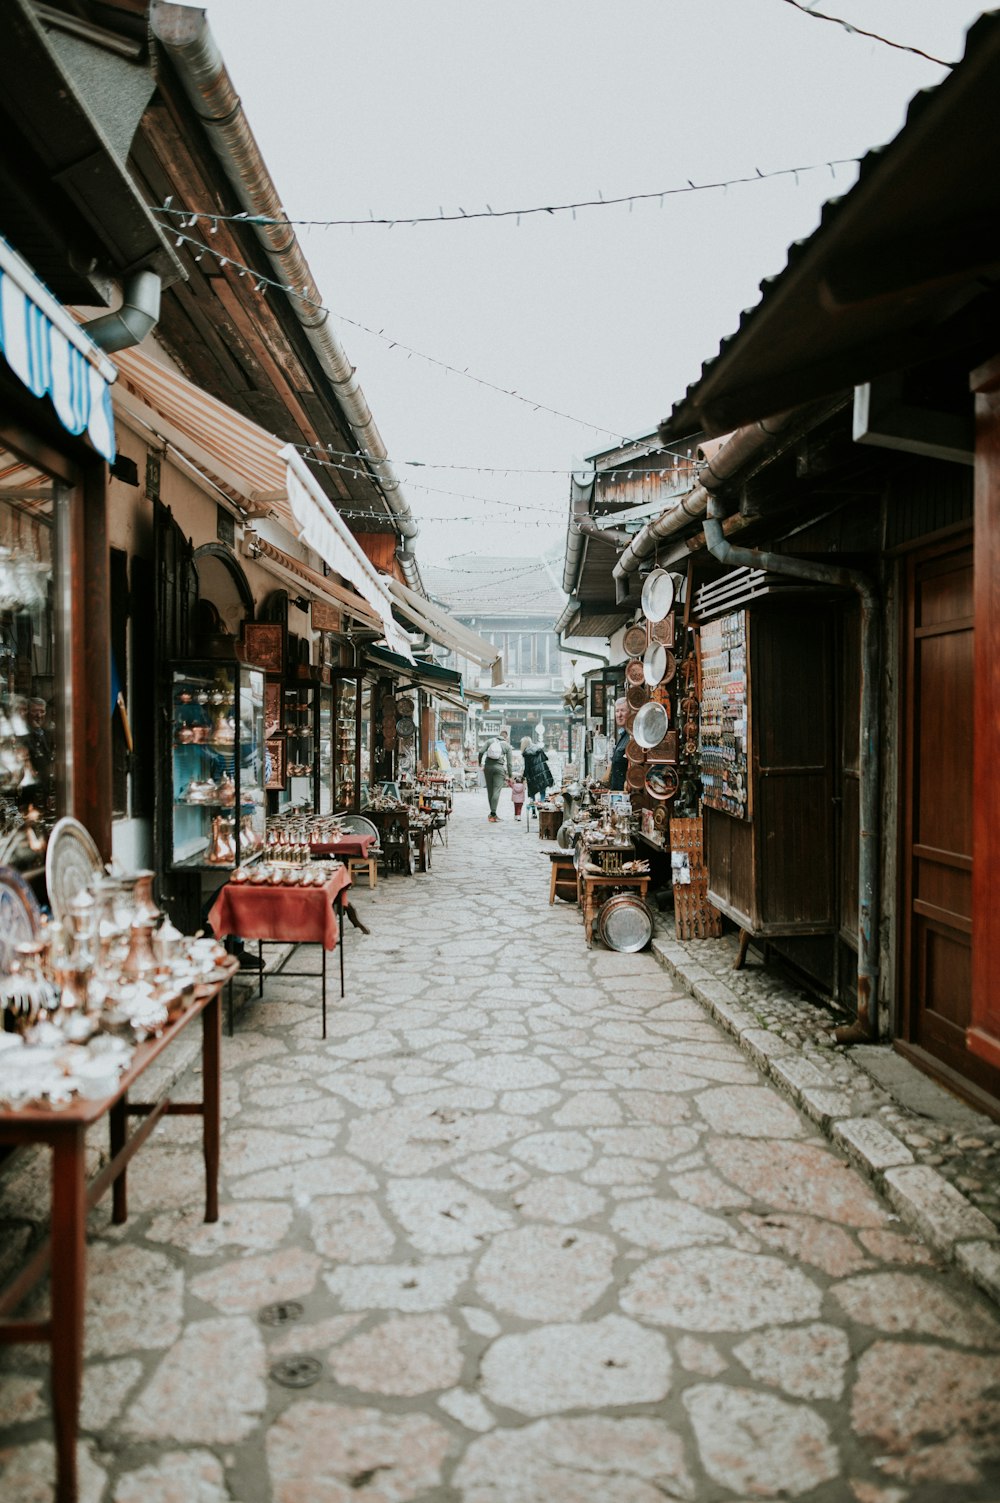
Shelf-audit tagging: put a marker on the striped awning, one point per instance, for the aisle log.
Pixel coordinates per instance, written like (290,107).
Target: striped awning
(51,355)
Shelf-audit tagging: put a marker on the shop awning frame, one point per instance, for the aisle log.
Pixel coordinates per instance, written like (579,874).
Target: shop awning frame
(442,628)
(421,675)
(51,355)
(261,476)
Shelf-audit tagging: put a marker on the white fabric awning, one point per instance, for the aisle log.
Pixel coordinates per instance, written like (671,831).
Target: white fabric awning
(319,525)
(252,467)
(51,355)
(444,629)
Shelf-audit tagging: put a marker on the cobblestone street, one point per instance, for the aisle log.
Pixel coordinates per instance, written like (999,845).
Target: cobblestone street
(546,1231)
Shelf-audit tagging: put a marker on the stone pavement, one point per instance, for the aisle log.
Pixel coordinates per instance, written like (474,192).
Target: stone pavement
(540,1231)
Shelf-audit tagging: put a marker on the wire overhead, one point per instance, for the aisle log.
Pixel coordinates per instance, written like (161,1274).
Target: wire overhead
(873,36)
(190,218)
(302,293)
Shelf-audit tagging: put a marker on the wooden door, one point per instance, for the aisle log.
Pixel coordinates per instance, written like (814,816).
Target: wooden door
(937,817)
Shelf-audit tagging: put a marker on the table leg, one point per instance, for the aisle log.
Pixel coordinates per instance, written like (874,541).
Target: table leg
(69,1255)
(340,921)
(322,951)
(118,1125)
(260,973)
(211,1094)
(741,954)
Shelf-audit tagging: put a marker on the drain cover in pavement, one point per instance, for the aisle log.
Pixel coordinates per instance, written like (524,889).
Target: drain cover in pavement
(297,1372)
(281,1313)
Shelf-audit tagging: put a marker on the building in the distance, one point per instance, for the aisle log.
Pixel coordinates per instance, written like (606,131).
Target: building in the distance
(512,602)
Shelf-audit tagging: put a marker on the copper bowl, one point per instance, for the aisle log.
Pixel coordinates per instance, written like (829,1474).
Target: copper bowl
(633,671)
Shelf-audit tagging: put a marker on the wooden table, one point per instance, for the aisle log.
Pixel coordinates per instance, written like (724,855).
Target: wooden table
(286,915)
(63,1129)
(595,886)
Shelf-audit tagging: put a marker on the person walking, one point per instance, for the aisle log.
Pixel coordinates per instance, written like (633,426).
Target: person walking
(537,772)
(517,788)
(497,763)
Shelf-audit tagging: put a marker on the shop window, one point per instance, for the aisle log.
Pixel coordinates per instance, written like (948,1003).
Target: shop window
(30,703)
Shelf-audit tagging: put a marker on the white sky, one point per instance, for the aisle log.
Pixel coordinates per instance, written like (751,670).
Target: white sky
(392,107)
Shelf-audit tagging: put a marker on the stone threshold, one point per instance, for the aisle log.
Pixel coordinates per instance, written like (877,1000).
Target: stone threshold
(828,1095)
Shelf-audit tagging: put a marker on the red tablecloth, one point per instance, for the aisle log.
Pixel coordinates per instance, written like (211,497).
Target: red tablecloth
(297,915)
(344,846)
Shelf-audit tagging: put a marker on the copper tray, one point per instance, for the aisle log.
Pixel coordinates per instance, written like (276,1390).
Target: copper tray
(663,631)
(630,718)
(634,672)
(635,776)
(633,751)
(637,695)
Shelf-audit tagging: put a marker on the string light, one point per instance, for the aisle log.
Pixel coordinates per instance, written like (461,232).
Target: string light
(874,36)
(313,451)
(395,344)
(268,221)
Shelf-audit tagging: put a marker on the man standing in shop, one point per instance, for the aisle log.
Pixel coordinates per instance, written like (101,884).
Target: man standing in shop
(618,766)
(498,767)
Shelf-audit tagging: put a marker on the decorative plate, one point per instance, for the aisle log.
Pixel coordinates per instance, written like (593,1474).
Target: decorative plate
(634,641)
(405,727)
(651,725)
(20,914)
(71,860)
(633,672)
(404,705)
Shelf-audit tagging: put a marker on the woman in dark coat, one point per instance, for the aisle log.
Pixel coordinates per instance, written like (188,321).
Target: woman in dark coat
(537,772)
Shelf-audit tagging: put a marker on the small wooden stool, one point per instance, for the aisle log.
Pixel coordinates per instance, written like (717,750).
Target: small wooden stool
(367,864)
(563,876)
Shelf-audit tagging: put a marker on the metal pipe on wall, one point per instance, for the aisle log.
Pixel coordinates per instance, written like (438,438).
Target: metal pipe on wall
(865,1028)
(745,444)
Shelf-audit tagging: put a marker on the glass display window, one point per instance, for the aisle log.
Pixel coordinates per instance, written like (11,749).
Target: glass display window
(217,765)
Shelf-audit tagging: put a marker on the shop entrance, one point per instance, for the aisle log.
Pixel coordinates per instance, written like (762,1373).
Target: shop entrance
(937,819)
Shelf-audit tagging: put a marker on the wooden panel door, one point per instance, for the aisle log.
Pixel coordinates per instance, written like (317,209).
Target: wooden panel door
(937,822)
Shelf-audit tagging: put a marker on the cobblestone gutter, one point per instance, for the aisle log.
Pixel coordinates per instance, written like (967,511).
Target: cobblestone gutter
(939,1175)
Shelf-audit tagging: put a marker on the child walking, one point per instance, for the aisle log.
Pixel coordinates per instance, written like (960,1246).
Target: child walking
(517,790)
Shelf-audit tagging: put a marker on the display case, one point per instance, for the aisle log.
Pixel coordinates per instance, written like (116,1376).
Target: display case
(216,765)
(300,743)
(325,747)
(346,741)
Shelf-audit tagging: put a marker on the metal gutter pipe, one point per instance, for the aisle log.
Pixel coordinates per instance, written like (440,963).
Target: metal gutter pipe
(128,325)
(865,1028)
(185,35)
(579,506)
(745,444)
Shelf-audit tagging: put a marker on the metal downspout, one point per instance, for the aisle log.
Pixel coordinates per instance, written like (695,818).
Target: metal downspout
(865,1028)
(745,444)
(186,37)
(129,324)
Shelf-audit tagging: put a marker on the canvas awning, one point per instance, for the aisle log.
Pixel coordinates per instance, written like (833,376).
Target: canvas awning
(251,466)
(51,355)
(442,628)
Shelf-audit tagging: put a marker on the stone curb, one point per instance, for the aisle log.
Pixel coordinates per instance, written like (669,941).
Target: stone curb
(922,1197)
